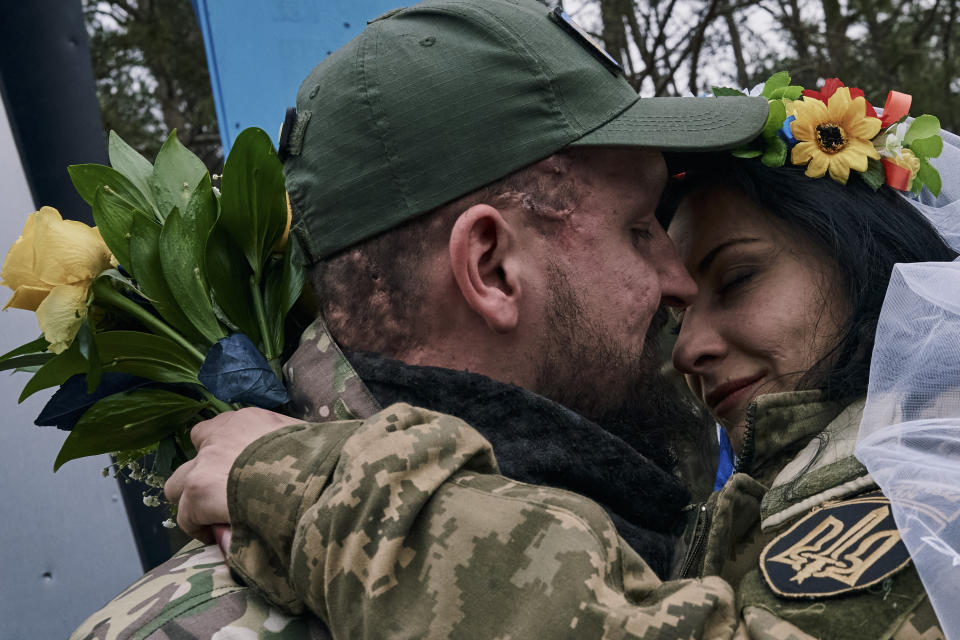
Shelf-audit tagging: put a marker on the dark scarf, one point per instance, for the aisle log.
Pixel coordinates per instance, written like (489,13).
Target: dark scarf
(541,442)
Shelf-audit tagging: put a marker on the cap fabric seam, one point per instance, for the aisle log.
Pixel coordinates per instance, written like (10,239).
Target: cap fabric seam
(367,81)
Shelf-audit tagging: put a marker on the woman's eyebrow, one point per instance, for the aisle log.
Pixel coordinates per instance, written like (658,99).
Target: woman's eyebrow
(720,248)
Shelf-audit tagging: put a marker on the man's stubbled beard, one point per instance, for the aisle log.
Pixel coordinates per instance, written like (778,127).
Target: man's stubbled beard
(617,387)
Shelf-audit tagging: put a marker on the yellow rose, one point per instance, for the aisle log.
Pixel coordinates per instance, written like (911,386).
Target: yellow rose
(908,161)
(50,268)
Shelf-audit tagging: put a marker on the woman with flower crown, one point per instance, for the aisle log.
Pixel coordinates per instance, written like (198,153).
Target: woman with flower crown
(791,268)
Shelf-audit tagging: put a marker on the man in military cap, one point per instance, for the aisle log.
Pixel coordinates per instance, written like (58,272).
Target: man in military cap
(474,184)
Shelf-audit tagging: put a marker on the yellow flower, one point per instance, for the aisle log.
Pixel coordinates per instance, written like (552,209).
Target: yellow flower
(50,268)
(908,161)
(834,137)
(281,244)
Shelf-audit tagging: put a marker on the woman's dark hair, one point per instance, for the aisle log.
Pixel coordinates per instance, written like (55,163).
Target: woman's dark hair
(864,232)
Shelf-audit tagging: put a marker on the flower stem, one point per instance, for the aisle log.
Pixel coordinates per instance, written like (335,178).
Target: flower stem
(216,403)
(262,321)
(104,293)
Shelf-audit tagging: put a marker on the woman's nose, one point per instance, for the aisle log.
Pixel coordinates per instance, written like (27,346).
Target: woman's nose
(699,343)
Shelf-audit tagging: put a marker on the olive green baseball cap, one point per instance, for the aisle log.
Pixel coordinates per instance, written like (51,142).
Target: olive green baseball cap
(434,101)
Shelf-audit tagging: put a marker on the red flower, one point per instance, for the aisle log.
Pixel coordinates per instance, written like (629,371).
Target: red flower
(830,87)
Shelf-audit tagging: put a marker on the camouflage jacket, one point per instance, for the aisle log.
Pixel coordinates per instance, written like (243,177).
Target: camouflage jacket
(801,529)
(399,525)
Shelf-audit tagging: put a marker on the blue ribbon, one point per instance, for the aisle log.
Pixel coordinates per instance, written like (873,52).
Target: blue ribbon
(786,132)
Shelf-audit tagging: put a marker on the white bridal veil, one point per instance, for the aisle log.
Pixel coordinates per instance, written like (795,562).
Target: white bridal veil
(910,435)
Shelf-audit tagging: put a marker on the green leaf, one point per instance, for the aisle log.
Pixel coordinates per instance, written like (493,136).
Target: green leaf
(923,127)
(180,252)
(134,166)
(114,217)
(164,456)
(34,346)
(874,176)
(146,268)
(228,275)
(176,174)
(793,92)
(88,349)
(253,200)
(775,118)
(776,152)
(28,360)
(134,352)
(146,355)
(127,421)
(747,153)
(929,147)
(726,91)
(56,371)
(777,81)
(89,179)
(930,177)
(284,282)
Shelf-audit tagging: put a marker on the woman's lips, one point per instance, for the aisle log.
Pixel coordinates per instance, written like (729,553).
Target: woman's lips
(730,395)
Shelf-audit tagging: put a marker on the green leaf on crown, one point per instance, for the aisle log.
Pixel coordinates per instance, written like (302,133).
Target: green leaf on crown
(128,421)
(775,154)
(726,91)
(874,176)
(779,80)
(176,173)
(253,201)
(930,177)
(775,118)
(923,127)
(929,147)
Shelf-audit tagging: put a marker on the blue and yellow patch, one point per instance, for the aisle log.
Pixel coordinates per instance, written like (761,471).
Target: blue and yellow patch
(837,549)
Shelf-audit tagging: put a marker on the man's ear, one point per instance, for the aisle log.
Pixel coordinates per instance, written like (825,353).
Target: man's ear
(483,249)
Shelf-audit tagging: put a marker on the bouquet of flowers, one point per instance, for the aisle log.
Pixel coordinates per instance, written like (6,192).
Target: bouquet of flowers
(171,310)
(836,130)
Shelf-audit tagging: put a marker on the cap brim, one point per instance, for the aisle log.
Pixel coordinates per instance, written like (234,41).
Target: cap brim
(683,124)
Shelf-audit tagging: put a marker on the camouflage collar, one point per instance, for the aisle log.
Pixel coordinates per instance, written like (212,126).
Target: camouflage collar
(322,383)
(823,470)
(779,425)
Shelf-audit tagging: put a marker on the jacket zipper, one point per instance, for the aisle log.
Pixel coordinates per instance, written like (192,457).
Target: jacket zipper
(747,452)
(700,532)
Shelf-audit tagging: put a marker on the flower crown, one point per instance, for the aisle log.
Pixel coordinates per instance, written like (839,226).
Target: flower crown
(836,130)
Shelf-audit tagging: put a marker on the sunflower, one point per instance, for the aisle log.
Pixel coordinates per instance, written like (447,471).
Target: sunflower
(835,136)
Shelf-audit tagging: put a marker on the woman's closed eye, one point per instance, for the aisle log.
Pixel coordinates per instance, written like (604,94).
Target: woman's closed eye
(734,279)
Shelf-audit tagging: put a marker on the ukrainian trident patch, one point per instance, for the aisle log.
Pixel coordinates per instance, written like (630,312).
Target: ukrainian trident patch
(843,547)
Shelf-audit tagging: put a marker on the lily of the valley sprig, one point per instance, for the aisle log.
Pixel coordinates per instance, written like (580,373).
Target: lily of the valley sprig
(836,130)
(172,309)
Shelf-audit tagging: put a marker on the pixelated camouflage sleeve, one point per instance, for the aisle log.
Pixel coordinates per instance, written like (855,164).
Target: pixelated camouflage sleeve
(403,525)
